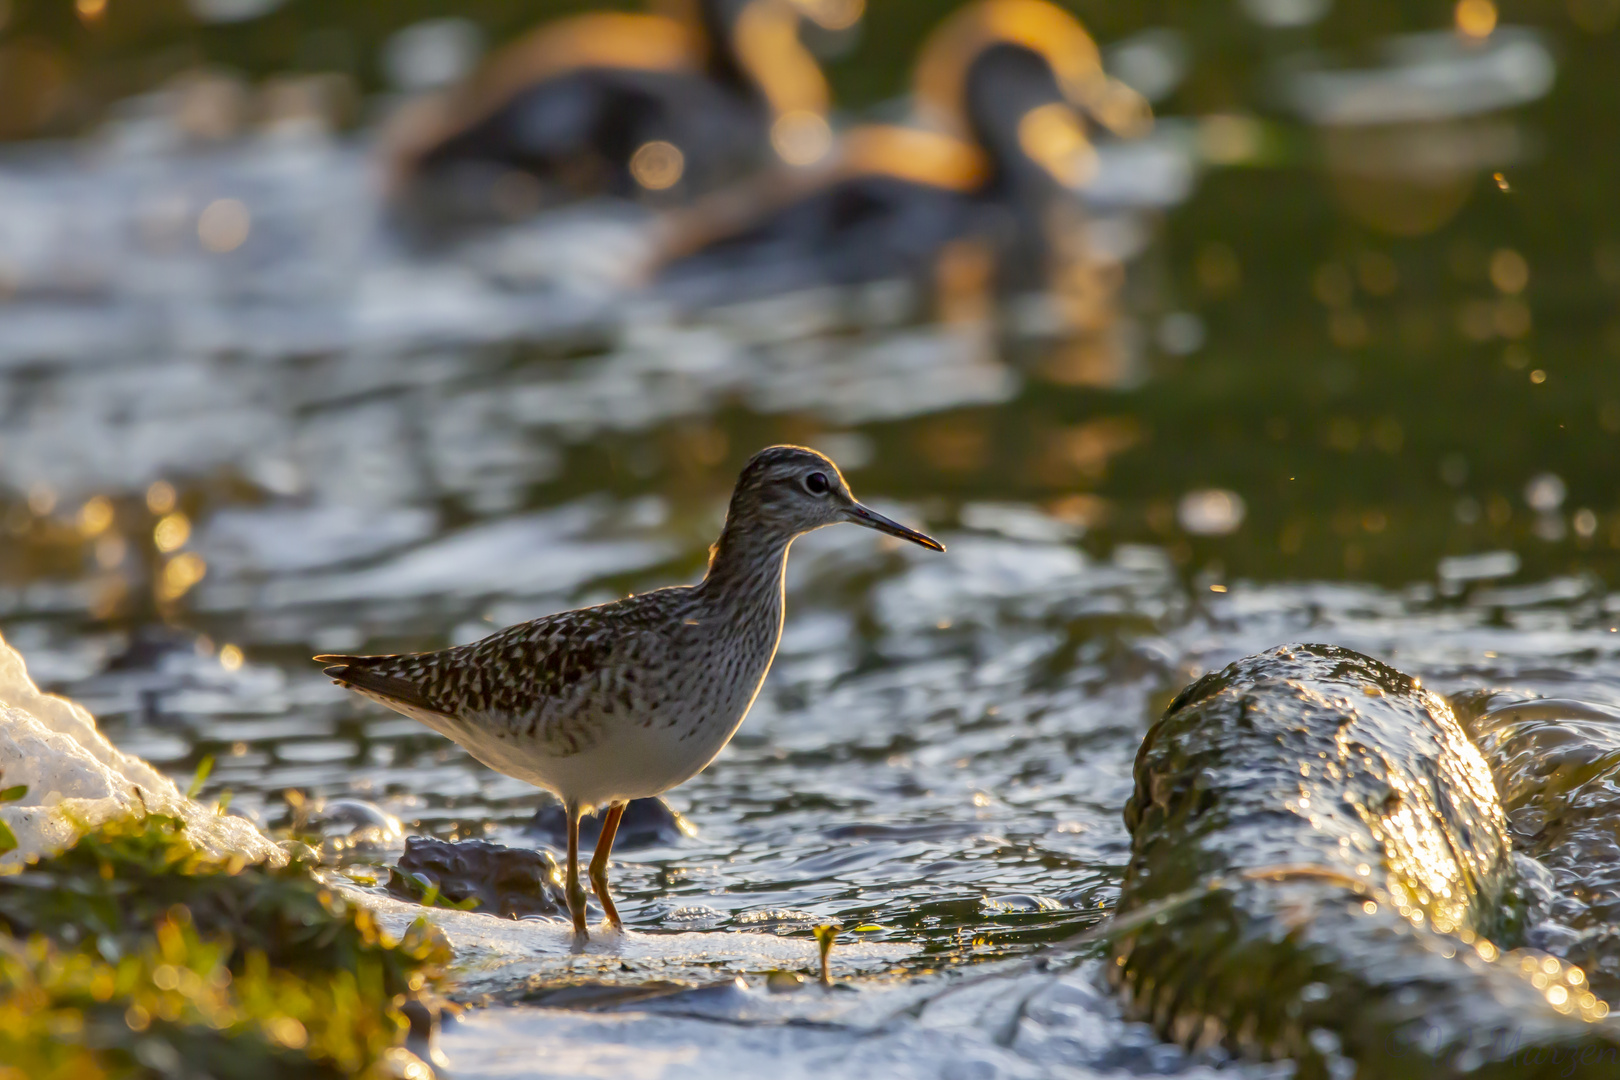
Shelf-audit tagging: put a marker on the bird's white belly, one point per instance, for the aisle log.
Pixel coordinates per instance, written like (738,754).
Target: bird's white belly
(635,760)
(636,765)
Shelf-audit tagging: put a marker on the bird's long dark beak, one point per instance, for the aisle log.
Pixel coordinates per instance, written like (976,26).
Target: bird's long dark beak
(860,515)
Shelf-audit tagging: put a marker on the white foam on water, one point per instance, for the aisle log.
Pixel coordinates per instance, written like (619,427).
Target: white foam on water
(496,952)
(1017,1024)
(76,779)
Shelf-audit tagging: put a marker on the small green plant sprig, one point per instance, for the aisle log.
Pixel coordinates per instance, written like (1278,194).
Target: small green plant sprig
(8,839)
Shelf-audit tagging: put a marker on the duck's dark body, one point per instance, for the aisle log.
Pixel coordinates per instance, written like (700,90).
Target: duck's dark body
(858,229)
(880,212)
(575,135)
(565,110)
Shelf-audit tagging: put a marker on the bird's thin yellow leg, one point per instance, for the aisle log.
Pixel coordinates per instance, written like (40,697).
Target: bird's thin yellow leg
(599,862)
(576,891)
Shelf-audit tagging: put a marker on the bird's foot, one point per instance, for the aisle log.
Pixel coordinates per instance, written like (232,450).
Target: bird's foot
(576,908)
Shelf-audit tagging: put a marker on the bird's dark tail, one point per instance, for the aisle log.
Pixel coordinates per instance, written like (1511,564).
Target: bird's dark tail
(380,677)
(338,667)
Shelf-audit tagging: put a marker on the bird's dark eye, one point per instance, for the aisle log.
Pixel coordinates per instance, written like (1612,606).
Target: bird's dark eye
(817,483)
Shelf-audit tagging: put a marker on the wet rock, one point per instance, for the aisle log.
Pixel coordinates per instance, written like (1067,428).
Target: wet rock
(338,816)
(353,830)
(1321,869)
(1557,766)
(784,982)
(1020,902)
(513,882)
(133,905)
(646,823)
(298,851)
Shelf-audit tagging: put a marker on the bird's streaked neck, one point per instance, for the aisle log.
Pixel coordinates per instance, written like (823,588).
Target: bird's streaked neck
(746,561)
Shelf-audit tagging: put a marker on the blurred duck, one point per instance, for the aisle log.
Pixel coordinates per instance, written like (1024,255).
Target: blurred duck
(981,184)
(658,106)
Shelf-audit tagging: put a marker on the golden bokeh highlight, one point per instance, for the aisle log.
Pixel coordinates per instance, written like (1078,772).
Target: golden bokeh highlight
(223,226)
(1229,139)
(1053,136)
(657,165)
(96,516)
(1122,110)
(172,532)
(832,14)
(160,497)
(179,575)
(1475,18)
(41,499)
(90,10)
(111,550)
(230,657)
(801,137)
(1509,271)
(288,1031)
(766,37)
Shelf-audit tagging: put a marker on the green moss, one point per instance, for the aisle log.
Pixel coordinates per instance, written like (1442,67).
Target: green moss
(134,954)
(1321,870)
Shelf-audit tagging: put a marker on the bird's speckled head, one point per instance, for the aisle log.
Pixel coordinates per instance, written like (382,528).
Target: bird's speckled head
(788,490)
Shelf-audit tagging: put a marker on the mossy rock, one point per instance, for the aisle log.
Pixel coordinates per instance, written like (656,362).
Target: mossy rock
(1321,870)
(132,954)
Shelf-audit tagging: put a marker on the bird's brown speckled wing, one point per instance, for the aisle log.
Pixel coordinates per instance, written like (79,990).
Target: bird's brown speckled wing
(534,678)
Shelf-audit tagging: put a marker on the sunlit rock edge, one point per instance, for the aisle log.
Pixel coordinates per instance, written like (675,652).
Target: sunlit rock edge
(77,780)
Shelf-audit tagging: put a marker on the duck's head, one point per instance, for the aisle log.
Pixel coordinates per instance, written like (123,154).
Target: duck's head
(1023,79)
(785,491)
(757,42)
